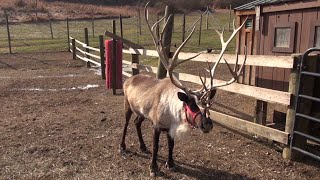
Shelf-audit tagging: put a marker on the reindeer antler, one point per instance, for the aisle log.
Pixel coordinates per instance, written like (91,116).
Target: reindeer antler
(204,94)
(158,42)
(235,74)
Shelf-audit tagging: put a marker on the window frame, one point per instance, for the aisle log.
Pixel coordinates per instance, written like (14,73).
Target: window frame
(292,26)
(314,24)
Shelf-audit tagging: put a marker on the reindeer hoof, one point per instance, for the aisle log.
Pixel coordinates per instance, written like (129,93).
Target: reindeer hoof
(145,150)
(170,166)
(122,150)
(156,173)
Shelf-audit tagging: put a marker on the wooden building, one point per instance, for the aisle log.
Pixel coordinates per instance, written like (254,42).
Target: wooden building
(277,27)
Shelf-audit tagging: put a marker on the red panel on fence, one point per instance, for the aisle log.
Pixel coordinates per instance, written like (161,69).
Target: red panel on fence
(108,45)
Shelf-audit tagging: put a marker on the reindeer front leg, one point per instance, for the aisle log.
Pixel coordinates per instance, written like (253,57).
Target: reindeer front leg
(170,163)
(154,167)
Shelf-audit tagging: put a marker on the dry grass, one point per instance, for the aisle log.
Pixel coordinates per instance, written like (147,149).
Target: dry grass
(25,10)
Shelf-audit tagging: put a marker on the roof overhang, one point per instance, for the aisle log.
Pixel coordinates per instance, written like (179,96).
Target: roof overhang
(290,6)
(283,6)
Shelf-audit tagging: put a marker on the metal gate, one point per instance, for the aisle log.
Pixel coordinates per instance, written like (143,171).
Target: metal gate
(305,117)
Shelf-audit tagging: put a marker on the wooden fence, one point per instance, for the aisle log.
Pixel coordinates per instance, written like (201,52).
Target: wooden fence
(268,95)
(85,55)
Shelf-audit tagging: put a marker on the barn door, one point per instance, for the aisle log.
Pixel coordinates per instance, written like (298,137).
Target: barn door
(300,134)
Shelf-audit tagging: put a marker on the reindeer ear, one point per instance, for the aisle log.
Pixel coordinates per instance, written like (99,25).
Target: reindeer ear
(183,97)
(213,93)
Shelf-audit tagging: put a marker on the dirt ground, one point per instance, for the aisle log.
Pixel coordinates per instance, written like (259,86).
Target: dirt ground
(59,122)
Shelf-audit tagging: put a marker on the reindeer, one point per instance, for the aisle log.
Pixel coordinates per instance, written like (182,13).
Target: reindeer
(168,103)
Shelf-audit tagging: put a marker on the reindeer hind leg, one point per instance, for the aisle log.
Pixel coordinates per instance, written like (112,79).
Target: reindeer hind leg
(128,113)
(138,122)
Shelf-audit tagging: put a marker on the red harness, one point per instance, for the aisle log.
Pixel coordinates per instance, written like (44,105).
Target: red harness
(193,115)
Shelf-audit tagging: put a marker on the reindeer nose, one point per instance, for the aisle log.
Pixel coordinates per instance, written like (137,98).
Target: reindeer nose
(206,125)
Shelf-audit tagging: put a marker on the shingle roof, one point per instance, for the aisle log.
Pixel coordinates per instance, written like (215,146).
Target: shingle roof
(255,3)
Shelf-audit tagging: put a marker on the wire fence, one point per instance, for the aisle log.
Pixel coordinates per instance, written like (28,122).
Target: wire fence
(53,35)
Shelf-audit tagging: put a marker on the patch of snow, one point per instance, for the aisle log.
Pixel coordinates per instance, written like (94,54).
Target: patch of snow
(67,75)
(88,86)
(97,71)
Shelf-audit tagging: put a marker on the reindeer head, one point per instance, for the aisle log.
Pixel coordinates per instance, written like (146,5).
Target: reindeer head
(196,117)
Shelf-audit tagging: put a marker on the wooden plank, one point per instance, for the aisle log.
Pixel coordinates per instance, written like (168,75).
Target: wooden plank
(102,57)
(294,75)
(144,52)
(253,76)
(243,125)
(290,6)
(125,41)
(286,80)
(267,77)
(145,68)
(135,59)
(88,54)
(296,16)
(278,78)
(126,74)
(268,25)
(88,60)
(81,43)
(309,15)
(253,60)
(92,48)
(261,35)
(247,75)
(261,113)
(245,13)
(263,94)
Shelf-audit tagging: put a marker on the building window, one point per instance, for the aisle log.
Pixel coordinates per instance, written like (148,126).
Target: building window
(314,34)
(283,37)
(249,23)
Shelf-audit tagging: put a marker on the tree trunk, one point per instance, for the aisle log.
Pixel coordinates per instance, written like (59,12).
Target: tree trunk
(162,72)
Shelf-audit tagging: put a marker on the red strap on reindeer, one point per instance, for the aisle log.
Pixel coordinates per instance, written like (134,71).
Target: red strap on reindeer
(193,115)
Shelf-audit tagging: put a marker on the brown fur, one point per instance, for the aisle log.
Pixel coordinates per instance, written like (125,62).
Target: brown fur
(151,89)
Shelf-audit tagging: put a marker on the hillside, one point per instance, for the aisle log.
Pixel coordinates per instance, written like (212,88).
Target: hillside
(41,10)
(26,11)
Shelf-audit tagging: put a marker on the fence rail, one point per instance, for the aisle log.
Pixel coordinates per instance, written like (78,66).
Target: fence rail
(86,55)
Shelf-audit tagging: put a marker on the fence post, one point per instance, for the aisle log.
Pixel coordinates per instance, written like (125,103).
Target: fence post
(183,27)
(261,112)
(86,41)
(8,30)
(73,42)
(293,89)
(200,30)
(92,26)
(135,59)
(229,17)
(158,27)
(50,25)
(139,21)
(68,34)
(114,60)
(207,18)
(121,27)
(102,57)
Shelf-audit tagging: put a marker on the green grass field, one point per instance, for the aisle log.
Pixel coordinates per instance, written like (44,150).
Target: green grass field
(36,37)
